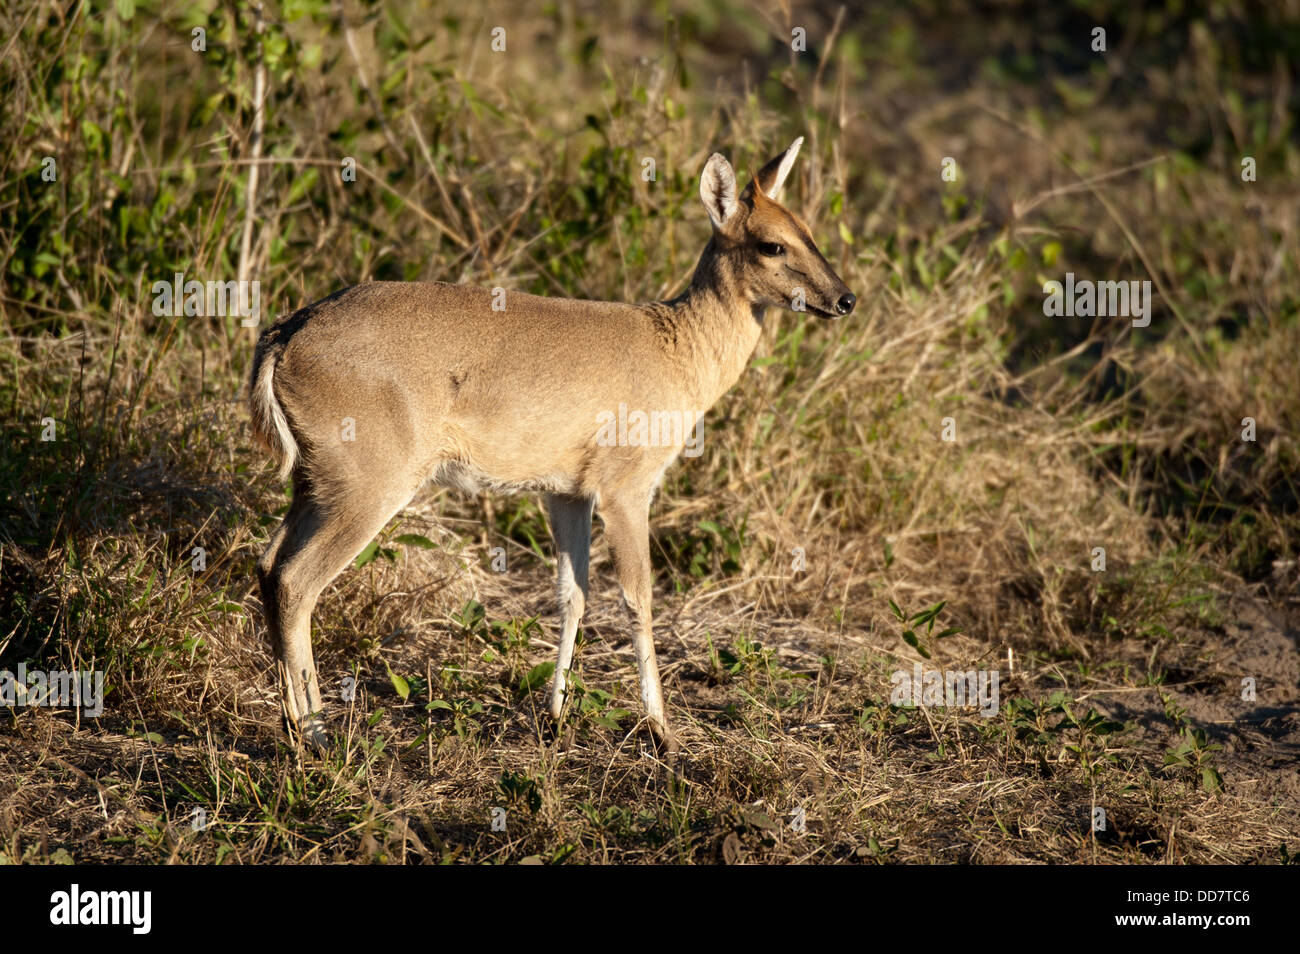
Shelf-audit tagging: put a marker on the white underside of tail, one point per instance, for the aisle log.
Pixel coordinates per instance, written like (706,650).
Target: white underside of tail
(269,420)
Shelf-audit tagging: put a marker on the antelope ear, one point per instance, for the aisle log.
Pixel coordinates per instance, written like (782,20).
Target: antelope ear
(718,190)
(773,175)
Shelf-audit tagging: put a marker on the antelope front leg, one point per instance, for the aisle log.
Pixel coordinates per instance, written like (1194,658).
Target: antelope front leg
(571,527)
(627,528)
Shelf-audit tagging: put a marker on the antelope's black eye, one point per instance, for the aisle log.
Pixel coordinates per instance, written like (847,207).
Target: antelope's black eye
(771,249)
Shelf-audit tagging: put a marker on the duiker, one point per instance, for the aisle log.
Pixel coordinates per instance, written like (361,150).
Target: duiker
(365,395)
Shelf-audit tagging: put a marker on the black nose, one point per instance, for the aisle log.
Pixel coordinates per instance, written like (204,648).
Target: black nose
(846,303)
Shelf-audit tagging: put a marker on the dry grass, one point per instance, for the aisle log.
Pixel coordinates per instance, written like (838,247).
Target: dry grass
(1070,435)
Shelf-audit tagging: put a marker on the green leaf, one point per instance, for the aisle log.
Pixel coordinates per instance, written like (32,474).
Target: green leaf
(401,685)
(399,26)
(612,718)
(415,540)
(368,554)
(539,675)
(92,134)
(909,637)
(928,614)
(1211,780)
(303,183)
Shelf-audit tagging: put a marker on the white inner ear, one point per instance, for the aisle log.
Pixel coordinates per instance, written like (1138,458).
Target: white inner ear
(718,190)
(783,170)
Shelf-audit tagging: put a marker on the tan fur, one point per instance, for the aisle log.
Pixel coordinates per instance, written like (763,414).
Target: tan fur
(442,387)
